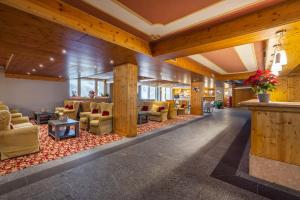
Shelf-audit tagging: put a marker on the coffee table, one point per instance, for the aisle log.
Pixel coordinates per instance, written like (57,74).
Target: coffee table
(44,117)
(59,129)
(143,117)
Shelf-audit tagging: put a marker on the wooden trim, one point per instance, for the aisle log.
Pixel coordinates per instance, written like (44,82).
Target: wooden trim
(8,62)
(34,77)
(257,26)
(238,76)
(191,65)
(64,14)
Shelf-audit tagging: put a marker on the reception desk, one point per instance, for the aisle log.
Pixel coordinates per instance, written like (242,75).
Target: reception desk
(275,142)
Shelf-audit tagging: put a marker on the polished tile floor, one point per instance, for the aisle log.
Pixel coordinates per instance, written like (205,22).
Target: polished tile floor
(174,165)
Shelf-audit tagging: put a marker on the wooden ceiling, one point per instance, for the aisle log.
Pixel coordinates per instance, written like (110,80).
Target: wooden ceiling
(28,41)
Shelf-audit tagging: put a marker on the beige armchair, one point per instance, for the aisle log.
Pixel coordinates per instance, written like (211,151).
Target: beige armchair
(16,118)
(183,107)
(102,123)
(172,110)
(159,115)
(85,116)
(17,140)
(67,111)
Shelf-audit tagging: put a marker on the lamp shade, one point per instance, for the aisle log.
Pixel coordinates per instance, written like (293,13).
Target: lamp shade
(276,67)
(280,57)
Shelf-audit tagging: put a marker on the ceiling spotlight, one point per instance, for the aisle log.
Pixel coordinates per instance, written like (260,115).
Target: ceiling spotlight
(111,61)
(33,70)
(64,51)
(51,59)
(59,76)
(41,65)
(28,73)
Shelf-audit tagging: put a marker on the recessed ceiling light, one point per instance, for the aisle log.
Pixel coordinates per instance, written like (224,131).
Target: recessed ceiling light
(41,65)
(111,61)
(64,51)
(28,73)
(51,59)
(59,76)
(33,70)
(95,66)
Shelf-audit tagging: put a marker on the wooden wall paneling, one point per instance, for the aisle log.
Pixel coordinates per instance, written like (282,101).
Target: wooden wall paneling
(241,94)
(281,91)
(197,90)
(125,100)
(293,88)
(238,76)
(276,135)
(34,77)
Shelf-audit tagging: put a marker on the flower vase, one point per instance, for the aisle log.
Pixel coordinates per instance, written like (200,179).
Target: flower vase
(263,98)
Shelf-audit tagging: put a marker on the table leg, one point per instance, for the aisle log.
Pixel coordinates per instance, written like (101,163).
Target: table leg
(77,130)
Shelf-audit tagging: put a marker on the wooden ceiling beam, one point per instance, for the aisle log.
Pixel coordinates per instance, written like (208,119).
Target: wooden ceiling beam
(193,66)
(231,77)
(34,77)
(257,26)
(64,14)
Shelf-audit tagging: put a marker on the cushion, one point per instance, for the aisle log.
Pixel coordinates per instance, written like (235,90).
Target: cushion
(94,111)
(145,108)
(16,115)
(67,106)
(160,108)
(84,119)
(105,113)
(22,125)
(71,107)
(183,105)
(154,108)
(94,123)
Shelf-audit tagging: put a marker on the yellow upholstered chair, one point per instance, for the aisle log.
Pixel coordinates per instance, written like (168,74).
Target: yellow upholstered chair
(18,139)
(70,109)
(102,123)
(155,114)
(85,116)
(182,107)
(16,118)
(172,113)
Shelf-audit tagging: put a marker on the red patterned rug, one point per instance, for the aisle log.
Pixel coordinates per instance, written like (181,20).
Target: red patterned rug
(52,150)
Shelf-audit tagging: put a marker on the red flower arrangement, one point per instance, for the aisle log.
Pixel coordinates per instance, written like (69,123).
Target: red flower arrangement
(262,81)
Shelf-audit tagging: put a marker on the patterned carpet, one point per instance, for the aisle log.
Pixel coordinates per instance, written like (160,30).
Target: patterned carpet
(52,150)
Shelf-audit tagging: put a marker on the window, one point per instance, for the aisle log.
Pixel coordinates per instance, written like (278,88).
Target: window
(163,94)
(86,86)
(144,92)
(100,88)
(152,94)
(73,87)
(168,94)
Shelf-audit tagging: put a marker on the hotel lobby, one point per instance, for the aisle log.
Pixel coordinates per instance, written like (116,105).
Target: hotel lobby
(127,99)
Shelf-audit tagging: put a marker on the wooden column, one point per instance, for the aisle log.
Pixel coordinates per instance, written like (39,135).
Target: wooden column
(196,98)
(125,100)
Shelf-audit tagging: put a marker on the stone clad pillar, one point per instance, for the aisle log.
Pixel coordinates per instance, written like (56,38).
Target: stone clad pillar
(196,98)
(125,100)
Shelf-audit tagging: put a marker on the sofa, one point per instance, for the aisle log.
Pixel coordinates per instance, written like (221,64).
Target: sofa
(102,122)
(158,110)
(70,109)
(172,109)
(87,109)
(17,139)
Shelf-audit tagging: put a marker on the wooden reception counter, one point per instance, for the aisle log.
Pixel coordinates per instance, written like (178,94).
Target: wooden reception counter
(275,142)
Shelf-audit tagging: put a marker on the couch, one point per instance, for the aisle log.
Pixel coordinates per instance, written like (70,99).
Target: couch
(70,109)
(17,139)
(87,109)
(172,109)
(154,109)
(101,123)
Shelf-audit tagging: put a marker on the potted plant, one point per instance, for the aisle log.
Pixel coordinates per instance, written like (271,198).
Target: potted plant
(262,82)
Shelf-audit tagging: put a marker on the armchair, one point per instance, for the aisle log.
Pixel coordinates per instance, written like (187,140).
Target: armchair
(16,118)
(70,109)
(159,111)
(17,140)
(102,123)
(172,110)
(183,107)
(85,116)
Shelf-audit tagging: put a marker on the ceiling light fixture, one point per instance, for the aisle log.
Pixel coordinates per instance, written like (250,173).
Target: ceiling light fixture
(34,70)
(280,54)
(59,76)
(51,59)
(41,65)
(64,51)
(28,73)
(111,61)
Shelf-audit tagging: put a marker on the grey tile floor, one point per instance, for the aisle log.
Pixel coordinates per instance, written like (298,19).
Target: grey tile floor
(175,165)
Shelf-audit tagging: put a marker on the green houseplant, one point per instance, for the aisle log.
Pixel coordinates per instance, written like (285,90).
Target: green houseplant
(262,82)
